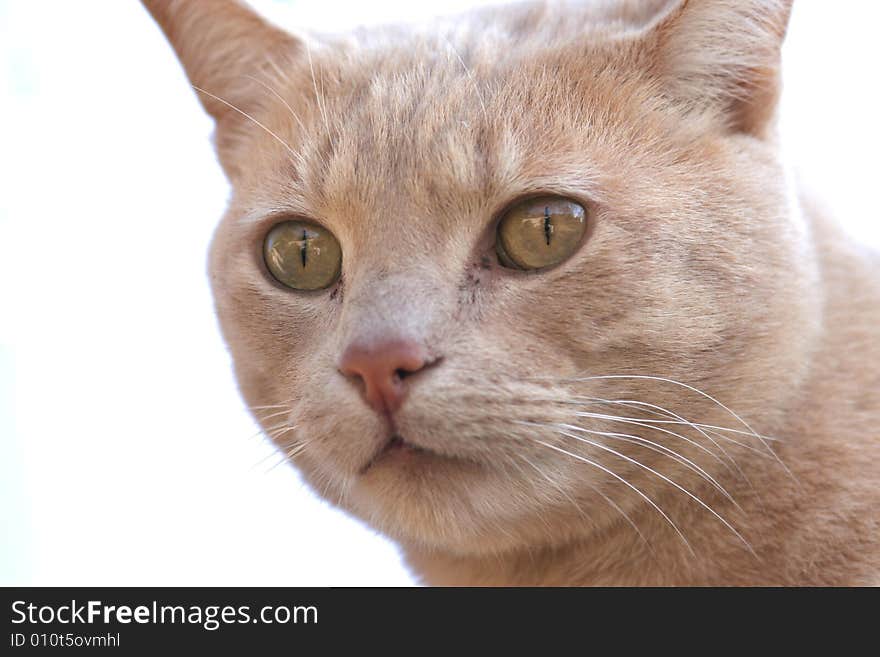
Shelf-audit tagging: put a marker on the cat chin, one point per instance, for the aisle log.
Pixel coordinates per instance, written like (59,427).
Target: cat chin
(420,498)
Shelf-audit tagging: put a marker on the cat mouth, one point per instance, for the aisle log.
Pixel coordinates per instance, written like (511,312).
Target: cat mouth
(398,449)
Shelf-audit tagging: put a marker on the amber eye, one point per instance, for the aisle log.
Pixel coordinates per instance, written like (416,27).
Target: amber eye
(540,232)
(302,255)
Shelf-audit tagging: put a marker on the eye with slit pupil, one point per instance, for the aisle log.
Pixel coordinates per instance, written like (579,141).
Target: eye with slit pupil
(302,255)
(540,232)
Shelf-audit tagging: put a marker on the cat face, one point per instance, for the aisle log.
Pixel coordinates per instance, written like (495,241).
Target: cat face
(453,400)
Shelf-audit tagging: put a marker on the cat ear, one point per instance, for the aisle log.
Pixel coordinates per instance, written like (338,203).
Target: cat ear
(723,56)
(223,45)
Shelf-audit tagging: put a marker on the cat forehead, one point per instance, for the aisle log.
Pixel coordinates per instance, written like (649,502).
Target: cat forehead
(427,122)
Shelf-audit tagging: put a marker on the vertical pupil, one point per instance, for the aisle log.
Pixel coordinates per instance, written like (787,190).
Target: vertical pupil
(303,249)
(548,227)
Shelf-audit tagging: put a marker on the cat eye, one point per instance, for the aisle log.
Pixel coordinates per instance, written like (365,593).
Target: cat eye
(302,255)
(540,232)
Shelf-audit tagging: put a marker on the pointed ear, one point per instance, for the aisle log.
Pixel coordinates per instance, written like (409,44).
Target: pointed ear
(224,47)
(220,44)
(723,56)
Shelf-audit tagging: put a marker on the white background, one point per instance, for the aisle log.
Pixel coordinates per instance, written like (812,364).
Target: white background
(126,456)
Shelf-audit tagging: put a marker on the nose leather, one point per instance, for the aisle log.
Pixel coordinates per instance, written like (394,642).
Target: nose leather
(382,367)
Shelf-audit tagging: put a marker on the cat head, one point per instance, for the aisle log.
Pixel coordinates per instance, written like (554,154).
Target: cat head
(380,279)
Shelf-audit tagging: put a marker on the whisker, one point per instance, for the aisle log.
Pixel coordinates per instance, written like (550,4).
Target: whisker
(288,450)
(670,414)
(289,455)
(281,74)
(626,483)
(279,97)
(266,432)
(738,431)
(596,490)
(248,116)
(517,465)
(691,424)
(471,77)
(269,430)
(286,411)
(614,418)
(757,452)
(682,421)
(318,96)
(665,412)
(660,449)
(267,406)
(274,435)
(666,479)
(703,394)
(556,485)
(273,453)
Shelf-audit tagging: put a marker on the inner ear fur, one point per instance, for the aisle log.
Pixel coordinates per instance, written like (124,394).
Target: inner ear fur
(722,56)
(221,44)
(230,55)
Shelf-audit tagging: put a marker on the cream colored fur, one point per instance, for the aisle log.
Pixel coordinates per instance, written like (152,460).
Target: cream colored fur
(702,268)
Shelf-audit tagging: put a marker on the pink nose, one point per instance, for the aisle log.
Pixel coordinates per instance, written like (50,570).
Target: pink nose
(382,367)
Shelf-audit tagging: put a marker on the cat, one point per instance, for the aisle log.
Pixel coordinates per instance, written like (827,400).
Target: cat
(530,291)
